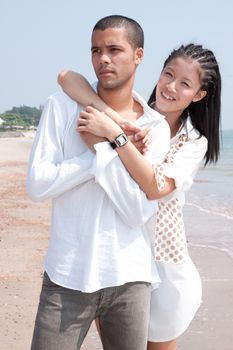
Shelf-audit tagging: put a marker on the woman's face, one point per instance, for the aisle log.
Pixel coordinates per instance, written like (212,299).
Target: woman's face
(179,84)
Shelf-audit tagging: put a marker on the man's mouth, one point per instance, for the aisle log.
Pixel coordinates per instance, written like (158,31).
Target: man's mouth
(105,72)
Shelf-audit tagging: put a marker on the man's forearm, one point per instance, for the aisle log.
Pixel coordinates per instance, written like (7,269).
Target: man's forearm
(90,140)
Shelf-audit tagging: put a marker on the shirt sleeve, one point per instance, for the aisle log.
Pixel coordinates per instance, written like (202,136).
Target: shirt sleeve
(49,174)
(160,144)
(185,163)
(129,201)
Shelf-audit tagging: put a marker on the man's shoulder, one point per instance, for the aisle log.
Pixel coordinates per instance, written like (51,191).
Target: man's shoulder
(61,105)
(157,115)
(149,112)
(61,97)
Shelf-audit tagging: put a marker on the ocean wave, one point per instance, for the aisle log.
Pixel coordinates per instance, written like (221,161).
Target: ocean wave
(215,212)
(211,246)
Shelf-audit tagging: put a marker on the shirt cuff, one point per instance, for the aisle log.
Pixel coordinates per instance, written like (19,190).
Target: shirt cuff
(182,181)
(104,155)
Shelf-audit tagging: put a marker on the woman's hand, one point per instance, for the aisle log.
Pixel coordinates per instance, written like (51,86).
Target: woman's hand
(129,127)
(141,140)
(98,123)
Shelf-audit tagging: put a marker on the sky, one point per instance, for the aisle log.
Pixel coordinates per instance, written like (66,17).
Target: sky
(39,38)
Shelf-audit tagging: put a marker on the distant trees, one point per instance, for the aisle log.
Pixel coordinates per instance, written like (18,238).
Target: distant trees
(11,120)
(22,117)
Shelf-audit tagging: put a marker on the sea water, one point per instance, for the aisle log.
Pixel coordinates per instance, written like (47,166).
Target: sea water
(208,212)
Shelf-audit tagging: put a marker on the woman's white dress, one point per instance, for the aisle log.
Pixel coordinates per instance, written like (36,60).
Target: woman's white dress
(176,300)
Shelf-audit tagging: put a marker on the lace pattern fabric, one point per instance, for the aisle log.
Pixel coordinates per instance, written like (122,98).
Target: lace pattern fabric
(170,239)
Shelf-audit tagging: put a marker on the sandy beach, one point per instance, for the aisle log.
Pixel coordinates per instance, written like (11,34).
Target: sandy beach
(24,230)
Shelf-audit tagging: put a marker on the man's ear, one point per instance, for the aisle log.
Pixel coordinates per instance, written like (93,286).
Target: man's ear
(139,54)
(200,95)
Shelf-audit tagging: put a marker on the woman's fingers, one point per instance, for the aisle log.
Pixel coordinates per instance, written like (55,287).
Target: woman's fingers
(142,134)
(129,127)
(141,140)
(90,109)
(82,122)
(85,115)
(138,144)
(85,118)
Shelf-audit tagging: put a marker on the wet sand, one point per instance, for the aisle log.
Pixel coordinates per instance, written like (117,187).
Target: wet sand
(24,228)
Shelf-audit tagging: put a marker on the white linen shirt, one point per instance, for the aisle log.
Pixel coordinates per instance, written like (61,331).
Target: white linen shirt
(98,233)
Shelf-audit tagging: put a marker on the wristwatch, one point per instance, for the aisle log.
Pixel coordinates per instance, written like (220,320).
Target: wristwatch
(119,141)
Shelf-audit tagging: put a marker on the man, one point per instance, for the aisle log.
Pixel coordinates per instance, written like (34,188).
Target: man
(99,261)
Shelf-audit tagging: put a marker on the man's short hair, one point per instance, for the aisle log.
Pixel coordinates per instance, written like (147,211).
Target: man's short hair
(134,30)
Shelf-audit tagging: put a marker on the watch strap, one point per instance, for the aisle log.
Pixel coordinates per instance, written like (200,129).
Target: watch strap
(113,145)
(119,141)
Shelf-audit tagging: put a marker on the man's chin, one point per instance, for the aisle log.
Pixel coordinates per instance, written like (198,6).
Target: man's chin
(107,84)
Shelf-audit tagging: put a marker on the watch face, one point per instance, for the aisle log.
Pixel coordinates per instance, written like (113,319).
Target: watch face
(121,140)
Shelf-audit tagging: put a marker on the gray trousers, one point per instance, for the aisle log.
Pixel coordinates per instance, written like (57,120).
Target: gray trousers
(65,315)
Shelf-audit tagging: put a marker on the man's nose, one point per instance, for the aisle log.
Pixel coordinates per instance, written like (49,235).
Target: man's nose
(104,58)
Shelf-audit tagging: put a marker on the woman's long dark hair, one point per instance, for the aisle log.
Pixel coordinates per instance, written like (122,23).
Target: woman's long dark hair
(204,114)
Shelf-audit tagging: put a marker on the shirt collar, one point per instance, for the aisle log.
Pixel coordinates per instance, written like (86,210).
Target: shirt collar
(149,112)
(149,116)
(188,129)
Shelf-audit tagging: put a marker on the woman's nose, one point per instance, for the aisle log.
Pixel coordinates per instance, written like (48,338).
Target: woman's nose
(171,85)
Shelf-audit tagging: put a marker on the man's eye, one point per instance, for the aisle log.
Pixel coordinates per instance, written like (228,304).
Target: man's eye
(95,51)
(114,49)
(169,74)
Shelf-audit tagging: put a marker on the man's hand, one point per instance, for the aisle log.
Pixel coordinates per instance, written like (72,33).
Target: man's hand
(141,140)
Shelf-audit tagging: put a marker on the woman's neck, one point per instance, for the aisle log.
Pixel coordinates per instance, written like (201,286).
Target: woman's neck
(174,124)
(173,119)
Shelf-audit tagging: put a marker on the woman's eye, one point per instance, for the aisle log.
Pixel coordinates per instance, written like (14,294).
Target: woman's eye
(185,84)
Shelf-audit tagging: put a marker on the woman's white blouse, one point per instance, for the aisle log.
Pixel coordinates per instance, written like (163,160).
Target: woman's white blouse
(181,164)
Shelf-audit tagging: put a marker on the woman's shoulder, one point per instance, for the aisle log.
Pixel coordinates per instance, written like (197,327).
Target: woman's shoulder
(191,133)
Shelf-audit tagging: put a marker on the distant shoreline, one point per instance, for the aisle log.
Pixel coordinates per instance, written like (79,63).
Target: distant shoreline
(17,133)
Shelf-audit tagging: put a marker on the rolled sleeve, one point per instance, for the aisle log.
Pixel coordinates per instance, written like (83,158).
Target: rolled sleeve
(186,162)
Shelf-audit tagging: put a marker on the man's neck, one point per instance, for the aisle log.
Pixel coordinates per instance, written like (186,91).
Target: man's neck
(122,102)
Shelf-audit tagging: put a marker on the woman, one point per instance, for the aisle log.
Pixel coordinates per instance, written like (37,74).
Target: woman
(188,94)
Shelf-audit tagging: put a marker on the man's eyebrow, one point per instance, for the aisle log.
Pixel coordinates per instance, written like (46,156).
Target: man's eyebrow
(108,46)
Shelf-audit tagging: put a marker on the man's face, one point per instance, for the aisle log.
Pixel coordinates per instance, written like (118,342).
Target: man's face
(113,58)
